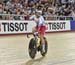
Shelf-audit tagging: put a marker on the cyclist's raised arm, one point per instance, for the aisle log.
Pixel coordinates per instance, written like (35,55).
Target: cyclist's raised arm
(32,17)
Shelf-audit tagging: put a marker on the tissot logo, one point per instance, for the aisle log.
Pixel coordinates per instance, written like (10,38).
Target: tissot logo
(14,26)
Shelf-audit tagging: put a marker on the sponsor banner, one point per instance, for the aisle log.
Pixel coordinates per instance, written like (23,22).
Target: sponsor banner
(72,23)
(12,27)
(9,27)
(58,26)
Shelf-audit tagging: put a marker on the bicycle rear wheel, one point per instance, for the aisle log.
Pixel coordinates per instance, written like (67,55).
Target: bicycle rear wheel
(43,53)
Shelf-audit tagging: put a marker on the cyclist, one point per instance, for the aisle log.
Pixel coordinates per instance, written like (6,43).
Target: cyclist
(40,25)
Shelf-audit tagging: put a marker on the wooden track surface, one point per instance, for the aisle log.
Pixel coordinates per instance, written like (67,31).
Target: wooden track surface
(61,50)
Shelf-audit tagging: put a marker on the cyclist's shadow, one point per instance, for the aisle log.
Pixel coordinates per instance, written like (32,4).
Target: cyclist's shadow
(31,62)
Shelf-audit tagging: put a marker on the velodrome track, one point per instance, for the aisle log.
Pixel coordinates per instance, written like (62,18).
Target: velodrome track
(61,50)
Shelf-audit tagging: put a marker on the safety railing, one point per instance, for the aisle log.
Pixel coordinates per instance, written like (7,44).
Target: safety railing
(26,17)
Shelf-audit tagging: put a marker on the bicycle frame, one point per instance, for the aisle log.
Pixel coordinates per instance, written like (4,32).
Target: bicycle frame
(36,37)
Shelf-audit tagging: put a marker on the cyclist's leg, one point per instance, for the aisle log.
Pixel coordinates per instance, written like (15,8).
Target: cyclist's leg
(42,33)
(33,29)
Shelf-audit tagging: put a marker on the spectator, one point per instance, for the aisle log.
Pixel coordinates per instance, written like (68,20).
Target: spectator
(73,14)
(26,7)
(1,9)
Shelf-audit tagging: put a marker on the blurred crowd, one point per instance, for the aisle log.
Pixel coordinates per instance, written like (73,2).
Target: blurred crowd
(23,9)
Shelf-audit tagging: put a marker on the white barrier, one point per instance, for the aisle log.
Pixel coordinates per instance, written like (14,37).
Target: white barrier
(12,27)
